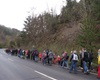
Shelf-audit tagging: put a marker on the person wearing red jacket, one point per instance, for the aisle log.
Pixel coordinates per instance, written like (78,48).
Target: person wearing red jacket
(58,59)
(40,56)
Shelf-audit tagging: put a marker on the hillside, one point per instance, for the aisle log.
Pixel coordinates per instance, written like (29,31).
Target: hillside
(73,28)
(7,35)
(63,39)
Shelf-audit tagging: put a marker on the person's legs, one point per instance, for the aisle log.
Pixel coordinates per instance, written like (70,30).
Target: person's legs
(50,61)
(44,61)
(85,67)
(71,67)
(66,62)
(36,58)
(81,63)
(89,65)
(63,62)
(59,62)
(84,64)
(75,66)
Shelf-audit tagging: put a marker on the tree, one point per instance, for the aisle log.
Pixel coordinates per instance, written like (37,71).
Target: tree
(88,34)
(12,44)
(96,10)
(71,12)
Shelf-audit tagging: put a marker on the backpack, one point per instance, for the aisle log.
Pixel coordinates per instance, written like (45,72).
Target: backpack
(66,57)
(44,55)
(91,56)
(36,53)
(75,57)
(86,56)
(51,55)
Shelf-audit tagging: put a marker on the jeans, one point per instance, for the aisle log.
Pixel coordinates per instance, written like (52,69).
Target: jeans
(36,58)
(65,62)
(44,61)
(50,61)
(85,66)
(73,66)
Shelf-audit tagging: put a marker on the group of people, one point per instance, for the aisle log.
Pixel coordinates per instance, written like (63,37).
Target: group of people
(48,57)
(85,61)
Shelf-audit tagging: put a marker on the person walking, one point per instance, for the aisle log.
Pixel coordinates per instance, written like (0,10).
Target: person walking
(65,60)
(81,60)
(74,60)
(44,57)
(85,57)
(90,60)
(40,56)
(58,59)
(51,57)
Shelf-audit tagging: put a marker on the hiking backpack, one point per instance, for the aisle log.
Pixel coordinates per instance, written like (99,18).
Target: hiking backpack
(75,57)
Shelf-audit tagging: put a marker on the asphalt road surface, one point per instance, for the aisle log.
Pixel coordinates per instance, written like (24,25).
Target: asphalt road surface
(14,68)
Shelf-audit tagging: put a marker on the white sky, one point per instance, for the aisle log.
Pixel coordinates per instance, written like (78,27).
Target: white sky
(14,12)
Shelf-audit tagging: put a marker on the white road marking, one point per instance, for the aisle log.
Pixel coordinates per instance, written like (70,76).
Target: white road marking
(10,59)
(45,75)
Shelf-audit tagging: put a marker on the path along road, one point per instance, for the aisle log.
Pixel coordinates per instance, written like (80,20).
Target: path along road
(14,68)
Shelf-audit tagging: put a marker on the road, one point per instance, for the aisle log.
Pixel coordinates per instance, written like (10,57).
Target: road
(14,68)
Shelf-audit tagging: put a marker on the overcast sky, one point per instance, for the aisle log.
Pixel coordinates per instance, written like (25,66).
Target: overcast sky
(14,12)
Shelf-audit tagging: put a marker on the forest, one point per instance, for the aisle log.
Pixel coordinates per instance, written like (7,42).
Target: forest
(8,36)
